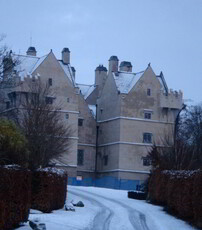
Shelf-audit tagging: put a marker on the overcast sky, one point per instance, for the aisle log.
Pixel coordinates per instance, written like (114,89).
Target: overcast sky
(167,33)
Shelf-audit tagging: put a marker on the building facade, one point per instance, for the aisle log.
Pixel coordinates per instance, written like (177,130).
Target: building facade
(115,121)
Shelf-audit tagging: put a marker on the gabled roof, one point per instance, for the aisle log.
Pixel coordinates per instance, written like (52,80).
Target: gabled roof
(86,90)
(126,80)
(28,64)
(68,71)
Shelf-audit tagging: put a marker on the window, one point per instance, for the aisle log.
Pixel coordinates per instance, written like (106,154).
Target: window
(146,161)
(67,116)
(147,137)
(49,100)
(106,160)
(7,105)
(80,157)
(80,122)
(67,99)
(50,81)
(147,115)
(148,92)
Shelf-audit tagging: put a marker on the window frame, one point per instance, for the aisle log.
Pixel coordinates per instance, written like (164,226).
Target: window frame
(80,122)
(80,157)
(50,81)
(147,115)
(148,92)
(106,160)
(147,137)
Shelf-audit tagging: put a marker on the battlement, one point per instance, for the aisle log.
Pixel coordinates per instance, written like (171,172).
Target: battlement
(172,99)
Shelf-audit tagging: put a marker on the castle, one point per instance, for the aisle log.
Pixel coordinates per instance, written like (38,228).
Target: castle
(115,121)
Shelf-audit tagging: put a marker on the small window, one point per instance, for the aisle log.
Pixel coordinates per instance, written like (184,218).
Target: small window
(147,115)
(147,138)
(80,157)
(80,122)
(146,161)
(67,116)
(67,99)
(148,92)
(7,105)
(50,81)
(106,160)
(49,100)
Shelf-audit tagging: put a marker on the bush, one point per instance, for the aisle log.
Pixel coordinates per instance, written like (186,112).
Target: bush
(197,199)
(180,192)
(12,144)
(15,196)
(48,189)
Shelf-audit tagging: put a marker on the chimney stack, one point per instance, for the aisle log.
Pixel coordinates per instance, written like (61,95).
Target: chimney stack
(125,66)
(31,51)
(113,64)
(66,56)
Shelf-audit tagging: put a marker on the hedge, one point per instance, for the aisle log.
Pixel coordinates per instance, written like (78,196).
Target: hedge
(48,189)
(15,196)
(180,192)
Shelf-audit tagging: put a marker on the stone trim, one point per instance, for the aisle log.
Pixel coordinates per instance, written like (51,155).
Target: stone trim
(126,143)
(124,170)
(90,145)
(134,119)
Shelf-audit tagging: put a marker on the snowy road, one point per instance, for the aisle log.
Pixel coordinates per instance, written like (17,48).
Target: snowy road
(108,209)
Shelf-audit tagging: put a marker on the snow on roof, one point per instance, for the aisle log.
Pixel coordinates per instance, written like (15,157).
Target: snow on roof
(92,109)
(26,65)
(126,80)
(86,90)
(68,71)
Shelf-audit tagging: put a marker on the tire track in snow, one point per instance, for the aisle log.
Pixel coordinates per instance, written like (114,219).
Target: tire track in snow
(103,218)
(137,218)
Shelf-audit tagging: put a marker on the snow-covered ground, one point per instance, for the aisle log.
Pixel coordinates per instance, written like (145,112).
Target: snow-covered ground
(108,209)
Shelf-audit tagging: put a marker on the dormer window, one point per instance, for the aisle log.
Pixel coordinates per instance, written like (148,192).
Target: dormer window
(148,92)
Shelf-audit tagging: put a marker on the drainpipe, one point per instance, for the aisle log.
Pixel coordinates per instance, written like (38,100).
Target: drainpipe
(96,144)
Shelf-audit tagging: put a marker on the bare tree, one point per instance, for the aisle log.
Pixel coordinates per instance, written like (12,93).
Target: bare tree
(185,152)
(42,125)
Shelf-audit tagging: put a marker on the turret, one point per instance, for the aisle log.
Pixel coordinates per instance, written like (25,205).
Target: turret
(66,56)
(113,64)
(125,66)
(31,51)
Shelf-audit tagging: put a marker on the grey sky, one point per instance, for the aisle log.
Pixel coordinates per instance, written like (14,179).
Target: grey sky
(167,33)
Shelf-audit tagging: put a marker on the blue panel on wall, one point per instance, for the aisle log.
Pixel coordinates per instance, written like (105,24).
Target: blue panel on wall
(106,182)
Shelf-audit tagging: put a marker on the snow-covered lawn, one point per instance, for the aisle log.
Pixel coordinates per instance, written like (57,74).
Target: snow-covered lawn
(108,209)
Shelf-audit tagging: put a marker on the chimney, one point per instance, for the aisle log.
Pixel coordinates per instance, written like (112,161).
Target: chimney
(125,66)
(113,64)
(66,56)
(73,72)
(31,51)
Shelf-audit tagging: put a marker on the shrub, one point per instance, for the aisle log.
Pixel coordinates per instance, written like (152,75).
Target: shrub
(48,189)
(197,199)
(15,196)
(12,144)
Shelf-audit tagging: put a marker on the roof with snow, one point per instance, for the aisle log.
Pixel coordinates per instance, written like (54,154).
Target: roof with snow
(86,90)
(28,64)
(126,80)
